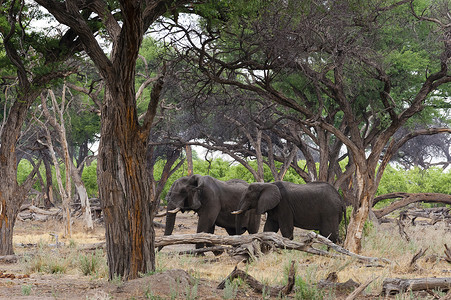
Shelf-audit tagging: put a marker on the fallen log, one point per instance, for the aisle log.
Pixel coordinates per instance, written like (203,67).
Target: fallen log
(276,240)
(8,259)
(258,286)
(408,198)
(331,282)
(40,211)
(393,286)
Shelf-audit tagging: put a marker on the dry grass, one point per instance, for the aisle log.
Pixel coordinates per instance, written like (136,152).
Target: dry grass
(380,241)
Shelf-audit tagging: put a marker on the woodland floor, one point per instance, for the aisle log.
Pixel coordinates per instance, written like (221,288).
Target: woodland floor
(189,277)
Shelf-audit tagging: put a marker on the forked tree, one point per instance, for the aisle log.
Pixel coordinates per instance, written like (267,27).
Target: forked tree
(125,190)
(339,57)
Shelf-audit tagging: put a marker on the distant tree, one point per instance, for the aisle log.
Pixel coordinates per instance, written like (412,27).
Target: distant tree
(29,62)
(344,63)
(424,151)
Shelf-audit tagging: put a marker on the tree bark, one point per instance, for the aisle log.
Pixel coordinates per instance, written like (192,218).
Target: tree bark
(125,190)
(393,286)
(189,159)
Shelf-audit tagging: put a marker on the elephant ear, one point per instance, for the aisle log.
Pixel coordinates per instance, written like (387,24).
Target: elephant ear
(195,183)
(269,198)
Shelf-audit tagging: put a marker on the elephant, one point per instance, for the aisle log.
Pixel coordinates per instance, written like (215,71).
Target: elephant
(213,200)
(313,206)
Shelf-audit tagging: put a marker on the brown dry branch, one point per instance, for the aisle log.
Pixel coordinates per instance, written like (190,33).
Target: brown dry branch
(447,254)
(413,263)
(258,286)
(401,226)
(304,243)
(406,199)
(331,282)
(447,296)
(8,259)
(360,289)
(393,286)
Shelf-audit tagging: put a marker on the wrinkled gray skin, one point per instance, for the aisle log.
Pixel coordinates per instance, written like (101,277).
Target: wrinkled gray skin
(213,200)
(313,206)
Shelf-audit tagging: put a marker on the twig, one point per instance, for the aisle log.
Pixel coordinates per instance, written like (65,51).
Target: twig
(359,290)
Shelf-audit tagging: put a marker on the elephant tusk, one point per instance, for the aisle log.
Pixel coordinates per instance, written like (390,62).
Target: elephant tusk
(174,211)
(236,212)
(159,215)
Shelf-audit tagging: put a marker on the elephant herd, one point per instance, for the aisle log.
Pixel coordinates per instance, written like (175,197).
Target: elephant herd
(237,206)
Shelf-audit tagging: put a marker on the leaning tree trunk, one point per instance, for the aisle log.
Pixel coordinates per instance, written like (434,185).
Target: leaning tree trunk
(11,194)
(125,188)
(361,211)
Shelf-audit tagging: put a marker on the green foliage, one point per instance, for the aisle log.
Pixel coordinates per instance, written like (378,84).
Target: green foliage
(415,180)
(89,178)
(90,263)
(305,290)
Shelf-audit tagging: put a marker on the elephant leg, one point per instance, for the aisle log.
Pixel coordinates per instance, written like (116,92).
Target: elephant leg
(286,224)
(271,225)
(254,224)
(230,231)
(330,232)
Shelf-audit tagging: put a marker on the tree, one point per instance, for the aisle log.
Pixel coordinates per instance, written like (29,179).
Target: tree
(125,189)
(34,61)
(342,61)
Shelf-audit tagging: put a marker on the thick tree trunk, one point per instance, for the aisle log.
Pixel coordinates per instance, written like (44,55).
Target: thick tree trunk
(125,190)
(360,214)
(8,213)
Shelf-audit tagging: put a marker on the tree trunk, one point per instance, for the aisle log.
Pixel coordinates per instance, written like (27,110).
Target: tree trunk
(11,194)
(125,190)
(48,201)
(83,194)
(360,214)
(189,159)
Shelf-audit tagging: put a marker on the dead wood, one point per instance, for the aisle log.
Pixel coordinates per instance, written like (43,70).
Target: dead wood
(275,240)
(393,286)
(401,226)
(447,254)
(406,199)
(331,282)
(359,290)
(216,249)
(40,211)
(447,296)
(8,259)
(413,263)
(258,286)
(95,246)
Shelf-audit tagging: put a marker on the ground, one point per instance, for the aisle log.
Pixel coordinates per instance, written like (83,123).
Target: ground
(188,277)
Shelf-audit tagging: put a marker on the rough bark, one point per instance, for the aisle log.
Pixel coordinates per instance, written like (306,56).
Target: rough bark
(268,238)
(393,286)
(189,159)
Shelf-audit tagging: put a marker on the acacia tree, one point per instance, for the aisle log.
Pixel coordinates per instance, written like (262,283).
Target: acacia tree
(350,58)
(35,60)
(124,186)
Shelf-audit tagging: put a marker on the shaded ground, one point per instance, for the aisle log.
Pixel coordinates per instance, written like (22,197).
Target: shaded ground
(182,277)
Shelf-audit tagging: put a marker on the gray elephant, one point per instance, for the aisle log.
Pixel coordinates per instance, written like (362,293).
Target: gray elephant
(314,206)
(213,200)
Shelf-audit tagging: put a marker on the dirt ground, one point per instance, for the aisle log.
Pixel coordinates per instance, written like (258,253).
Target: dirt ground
(187,277)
